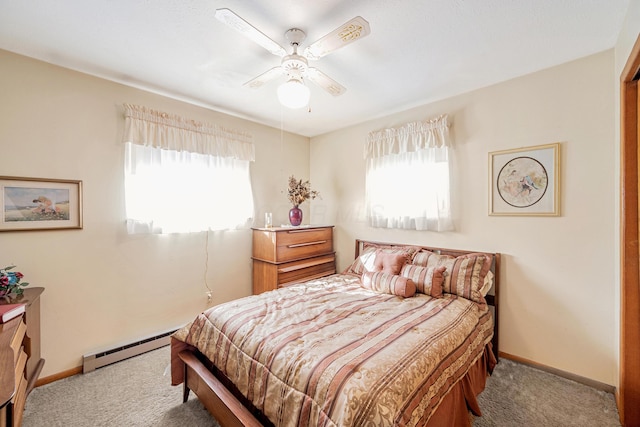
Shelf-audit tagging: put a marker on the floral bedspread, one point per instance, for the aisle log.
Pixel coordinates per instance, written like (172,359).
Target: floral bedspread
(331,353)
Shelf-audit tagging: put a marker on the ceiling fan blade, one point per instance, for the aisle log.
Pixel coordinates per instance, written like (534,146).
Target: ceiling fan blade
(325,82)
(252,33)
(265,77)
(347,33)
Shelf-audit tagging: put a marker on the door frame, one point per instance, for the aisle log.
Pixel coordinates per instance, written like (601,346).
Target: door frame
(628,394)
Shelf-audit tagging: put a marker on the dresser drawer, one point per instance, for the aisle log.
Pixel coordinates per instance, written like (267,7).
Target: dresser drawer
(301,271)
(16,340)
(20,364)
(302,235)
(296,251)
(283,245)
(298,244)
(19,401)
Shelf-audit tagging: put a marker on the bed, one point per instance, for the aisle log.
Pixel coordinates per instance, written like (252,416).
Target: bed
(407,335)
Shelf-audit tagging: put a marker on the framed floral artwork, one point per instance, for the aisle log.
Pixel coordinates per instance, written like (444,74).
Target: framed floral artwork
(40,204)
(524,181)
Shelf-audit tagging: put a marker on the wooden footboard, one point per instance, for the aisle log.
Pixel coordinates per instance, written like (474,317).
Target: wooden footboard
(218,400)
(229,411)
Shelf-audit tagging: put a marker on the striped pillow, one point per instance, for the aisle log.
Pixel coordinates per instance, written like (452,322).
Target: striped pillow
(365,261)
(464,276)
(379,281)
(428,280)
(366,258)
(427,258)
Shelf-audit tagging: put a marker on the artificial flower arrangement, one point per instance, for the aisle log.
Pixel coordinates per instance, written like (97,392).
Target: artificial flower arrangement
(10,282)
(300,191)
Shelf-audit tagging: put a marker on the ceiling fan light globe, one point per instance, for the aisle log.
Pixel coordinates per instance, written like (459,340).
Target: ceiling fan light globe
(293,94)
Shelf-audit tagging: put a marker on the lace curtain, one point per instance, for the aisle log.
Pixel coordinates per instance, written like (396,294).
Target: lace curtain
(407,176)
(184,176)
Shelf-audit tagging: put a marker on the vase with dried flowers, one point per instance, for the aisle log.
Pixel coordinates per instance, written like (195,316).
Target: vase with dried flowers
(10,282)
(299,192)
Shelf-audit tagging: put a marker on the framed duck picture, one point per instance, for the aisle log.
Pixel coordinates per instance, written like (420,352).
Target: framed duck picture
(40,204)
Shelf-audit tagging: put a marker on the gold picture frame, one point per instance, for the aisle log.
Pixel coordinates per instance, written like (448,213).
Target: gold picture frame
(525,181)
(40,204)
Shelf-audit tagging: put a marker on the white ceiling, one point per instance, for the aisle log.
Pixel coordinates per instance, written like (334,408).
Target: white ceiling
(418,50)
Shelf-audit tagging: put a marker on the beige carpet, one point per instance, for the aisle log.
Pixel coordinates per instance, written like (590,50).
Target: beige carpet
(136,392)
(518,395)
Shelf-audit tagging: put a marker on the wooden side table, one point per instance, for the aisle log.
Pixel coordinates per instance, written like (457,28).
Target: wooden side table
(20,359)
(12,364)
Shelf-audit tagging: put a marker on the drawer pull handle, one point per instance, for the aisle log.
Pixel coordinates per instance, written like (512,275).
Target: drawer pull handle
(299,245)
(300,231)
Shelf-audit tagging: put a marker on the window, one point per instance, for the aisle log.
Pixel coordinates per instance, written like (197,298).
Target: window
(184,176)
(407,177)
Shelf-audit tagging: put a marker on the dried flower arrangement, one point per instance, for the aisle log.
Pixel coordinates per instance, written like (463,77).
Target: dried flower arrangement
(300,191)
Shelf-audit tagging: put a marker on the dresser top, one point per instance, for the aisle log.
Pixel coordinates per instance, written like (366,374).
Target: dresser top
(289,228)
(29,295)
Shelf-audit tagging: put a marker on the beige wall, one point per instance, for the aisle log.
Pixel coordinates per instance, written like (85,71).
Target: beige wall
(104,287)
(558,274)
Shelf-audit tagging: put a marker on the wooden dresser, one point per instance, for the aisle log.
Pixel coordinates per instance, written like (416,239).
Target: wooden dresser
(20,361)
(283,256)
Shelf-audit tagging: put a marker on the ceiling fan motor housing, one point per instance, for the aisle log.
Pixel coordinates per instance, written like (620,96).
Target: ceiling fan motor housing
(295,36)
(295,65)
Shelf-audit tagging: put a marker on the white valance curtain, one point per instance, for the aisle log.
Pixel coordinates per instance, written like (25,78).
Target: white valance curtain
(184,176)
(144,126)
(410,137)
(407,177)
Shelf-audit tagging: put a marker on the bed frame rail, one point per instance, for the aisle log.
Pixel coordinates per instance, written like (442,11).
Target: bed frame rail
(213,394)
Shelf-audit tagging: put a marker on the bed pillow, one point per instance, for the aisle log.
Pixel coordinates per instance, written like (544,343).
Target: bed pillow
(425,258)
(366,258)
(390,263)
(365,261)
(487,283)
(465,275)
(379,281)
(428,280)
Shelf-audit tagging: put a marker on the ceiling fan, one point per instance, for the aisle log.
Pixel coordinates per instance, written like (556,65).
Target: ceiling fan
(295,66)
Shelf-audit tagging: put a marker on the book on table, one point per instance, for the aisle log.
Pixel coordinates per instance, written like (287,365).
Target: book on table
(9,311)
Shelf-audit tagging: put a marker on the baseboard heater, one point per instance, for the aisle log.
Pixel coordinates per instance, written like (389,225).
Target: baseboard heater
(93,361)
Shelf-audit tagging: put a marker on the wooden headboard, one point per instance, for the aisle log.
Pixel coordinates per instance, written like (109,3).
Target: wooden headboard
(492,296)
